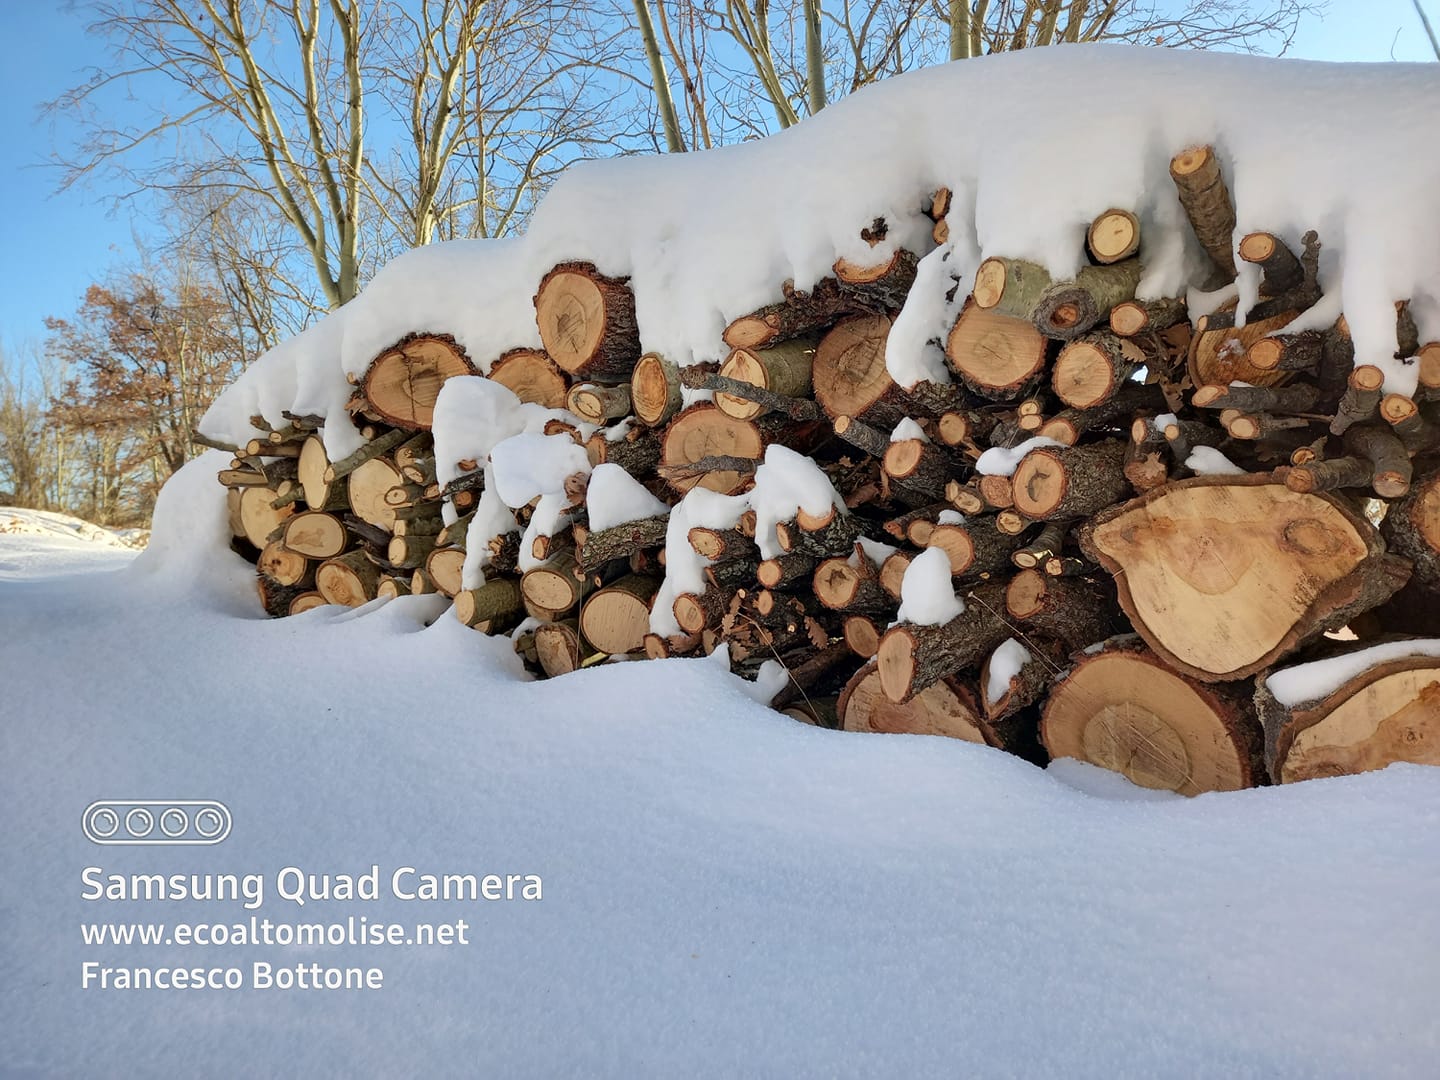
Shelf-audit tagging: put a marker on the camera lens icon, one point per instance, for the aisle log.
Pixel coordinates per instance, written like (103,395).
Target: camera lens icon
(167,822)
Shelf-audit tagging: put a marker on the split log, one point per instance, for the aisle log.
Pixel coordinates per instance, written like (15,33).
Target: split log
(531,376)
(782,369)
(558,647)
(587,322)
(1207,203)
(655,389)
(596,404)
(997,356)
(1120,708)
(1071,308)
(946,707)
(1069,482)
(1386,713)
(913,657)
(1113,236)
(349,580)
(616,618)
(492,607)
(1223,575)
(403,382)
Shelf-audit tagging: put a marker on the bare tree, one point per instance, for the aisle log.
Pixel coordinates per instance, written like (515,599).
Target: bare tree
(364,128)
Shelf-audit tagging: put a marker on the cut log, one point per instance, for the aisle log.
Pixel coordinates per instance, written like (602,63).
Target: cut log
(1297,398)
(1071,308)
(368,486)
(798,315)
(402,383)
(975,550)
(1388,712)
(1120,708)
(782,369)
(862,635)
(882,286)
(493,607)
(1047,542)
(1074,611)
(587,322)
(655,389)
(1412,529)
(306,601)
(275,598)
(1390,468)
(558,647)
(552,588)
(1010,287)
(997,356)
(258,515)
(1207,203)
(283,566)
(531,376)
(1361,399)
(444,567)
(637,451)
(1113,236)
(792,570)
(1091,370)
(1131,317)
(1280,268)
(1223,575)
(848,373)
(919,465)
(947,707)
(843,587)
(601,546)
(616,618)
(1219,353)
(349,580)
(703,431)
(596,404)
(721,545)
(409,552)
(913,657)
(1071,481)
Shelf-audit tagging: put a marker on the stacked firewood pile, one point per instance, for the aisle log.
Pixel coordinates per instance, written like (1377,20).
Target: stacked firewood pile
(1144,513)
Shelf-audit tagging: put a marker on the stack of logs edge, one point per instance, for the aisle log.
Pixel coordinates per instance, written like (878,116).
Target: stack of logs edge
(1150,601)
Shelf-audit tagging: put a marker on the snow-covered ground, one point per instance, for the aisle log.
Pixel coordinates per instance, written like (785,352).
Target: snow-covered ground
(725,891)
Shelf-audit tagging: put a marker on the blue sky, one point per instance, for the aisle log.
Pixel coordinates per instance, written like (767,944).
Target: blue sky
(56,244)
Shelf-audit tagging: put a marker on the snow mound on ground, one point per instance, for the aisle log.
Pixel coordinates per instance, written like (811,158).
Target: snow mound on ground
(784,208)
(20,521)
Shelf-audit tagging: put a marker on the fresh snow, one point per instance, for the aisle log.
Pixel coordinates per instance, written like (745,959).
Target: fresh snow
(927,597)
(636,216)
(1207,461)
(18,520)
(1319,678)
(1004,460)
(614,497)
(785,484)
(1005,663)
(717,899)
(906,429)
(527,466)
